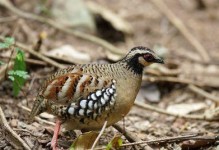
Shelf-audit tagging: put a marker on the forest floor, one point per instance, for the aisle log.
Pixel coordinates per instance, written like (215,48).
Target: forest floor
(177,99)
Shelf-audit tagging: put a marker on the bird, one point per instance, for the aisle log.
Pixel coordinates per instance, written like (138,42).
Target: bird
(84,96)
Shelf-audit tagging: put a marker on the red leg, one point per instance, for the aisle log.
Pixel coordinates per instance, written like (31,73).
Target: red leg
(55,134)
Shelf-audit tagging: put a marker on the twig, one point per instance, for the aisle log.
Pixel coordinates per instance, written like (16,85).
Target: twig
(3,70)
(37,54)
(203,93)
(182,28)
(129,136)
(29,60)
(162,111)
(56,25)
(37,118)
(168,140)
(172,79)
(163,140)
(8,19)
(98,137)
(11,135)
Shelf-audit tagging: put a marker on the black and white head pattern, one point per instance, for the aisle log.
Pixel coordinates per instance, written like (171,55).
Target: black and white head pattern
(96,102)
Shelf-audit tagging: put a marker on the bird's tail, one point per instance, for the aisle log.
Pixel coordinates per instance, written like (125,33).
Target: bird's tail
(38,107)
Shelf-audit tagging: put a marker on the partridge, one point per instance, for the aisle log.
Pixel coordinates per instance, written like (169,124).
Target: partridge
(85,96)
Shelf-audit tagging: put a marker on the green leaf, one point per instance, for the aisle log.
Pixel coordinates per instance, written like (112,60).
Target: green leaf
(8,41)
(19,63)
(11,78)
(1,63)
(18,73)
(115,143)
(3,45)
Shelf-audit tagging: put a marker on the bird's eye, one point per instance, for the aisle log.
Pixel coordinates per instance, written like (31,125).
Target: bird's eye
(148,57)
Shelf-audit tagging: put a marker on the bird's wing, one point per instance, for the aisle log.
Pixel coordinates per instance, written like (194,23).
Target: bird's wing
(78,89)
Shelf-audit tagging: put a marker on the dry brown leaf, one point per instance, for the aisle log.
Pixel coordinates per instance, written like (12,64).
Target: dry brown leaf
(84,141)
(183,108)
(69,54)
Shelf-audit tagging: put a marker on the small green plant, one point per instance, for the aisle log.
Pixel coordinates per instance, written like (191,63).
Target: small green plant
(8,42)
(1,63)
(115,143)
(18,75)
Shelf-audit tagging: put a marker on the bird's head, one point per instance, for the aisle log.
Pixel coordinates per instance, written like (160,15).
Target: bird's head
(140,57)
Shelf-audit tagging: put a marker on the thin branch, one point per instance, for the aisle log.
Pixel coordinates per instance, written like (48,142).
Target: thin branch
(3,70)
(203,93)
(8,19)
(170,140)
(7,4)
(182,28)
(162,111)
(163,140)
(10,134)
(98,137)
(37,118)
(36,54)
(129,136)
(172,79)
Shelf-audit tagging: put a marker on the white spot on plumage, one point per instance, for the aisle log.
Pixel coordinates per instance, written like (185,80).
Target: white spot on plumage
(107,92)
(73,104)
(99,110)
(88,111)
(81,112)
(83,103)
(112,103)
(113,86)
(95,105)
(103,102)
(90,104)
(106,97)
(98,93)
(111,91)
(93,96)
(71,110)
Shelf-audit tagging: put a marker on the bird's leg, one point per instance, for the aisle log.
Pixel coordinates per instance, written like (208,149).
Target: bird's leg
(55,134)
(123,123)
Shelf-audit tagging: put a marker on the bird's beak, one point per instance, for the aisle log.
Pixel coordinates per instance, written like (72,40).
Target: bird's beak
(159,60)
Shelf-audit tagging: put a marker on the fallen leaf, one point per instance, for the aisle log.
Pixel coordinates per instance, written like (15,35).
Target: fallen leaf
(69,54)
(115,143)
(183,108)
(84,141)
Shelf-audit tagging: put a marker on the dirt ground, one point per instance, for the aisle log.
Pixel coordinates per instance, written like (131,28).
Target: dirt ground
(171,88)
